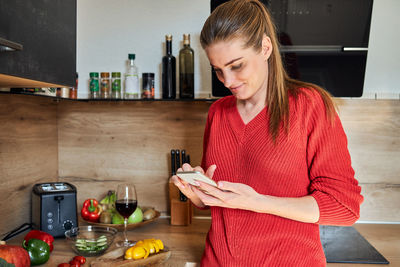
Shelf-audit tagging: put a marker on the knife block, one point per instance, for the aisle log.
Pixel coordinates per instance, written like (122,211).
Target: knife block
(181,211)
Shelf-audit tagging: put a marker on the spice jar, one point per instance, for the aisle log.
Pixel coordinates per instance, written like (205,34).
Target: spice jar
(116,85)
(64,92)
(105,85)
(94,85)
(148,85)
(73,91)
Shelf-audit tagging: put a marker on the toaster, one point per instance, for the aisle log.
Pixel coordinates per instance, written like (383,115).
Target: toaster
(54,208)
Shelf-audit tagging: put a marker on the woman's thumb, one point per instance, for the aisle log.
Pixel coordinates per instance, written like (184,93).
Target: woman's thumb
(210,171)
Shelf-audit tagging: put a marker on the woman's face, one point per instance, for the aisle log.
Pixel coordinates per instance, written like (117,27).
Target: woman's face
(243,71)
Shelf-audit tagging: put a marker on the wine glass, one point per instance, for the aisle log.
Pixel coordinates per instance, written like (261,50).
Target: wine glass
(126,204)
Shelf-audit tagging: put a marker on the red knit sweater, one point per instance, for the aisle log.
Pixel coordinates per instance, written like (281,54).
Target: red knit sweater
(312,159)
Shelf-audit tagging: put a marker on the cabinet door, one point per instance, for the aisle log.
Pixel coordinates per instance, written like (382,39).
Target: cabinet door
(47,31)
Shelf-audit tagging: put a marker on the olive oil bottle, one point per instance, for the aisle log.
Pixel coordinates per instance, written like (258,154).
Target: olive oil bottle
(186,69)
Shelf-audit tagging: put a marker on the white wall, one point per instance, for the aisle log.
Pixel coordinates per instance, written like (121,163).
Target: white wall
(383,61)
(109,30)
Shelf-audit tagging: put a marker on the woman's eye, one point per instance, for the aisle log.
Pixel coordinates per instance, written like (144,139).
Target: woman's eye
(236,67)
(217,71)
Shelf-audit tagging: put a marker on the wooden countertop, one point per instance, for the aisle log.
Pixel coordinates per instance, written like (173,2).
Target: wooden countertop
(187,243)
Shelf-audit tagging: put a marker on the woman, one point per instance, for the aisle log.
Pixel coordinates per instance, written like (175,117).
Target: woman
(276,149)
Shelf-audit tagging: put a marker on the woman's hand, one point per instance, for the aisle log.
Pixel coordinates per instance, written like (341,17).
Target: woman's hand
(241,196)
(186,188)
(227,195)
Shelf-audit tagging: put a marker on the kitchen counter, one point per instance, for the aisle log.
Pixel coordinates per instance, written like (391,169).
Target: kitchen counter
(187,243)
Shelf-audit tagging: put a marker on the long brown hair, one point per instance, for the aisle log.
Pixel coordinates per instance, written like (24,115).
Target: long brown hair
(250,20)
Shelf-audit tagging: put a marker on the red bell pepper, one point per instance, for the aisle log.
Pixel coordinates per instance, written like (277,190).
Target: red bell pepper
(48,238)
(91,210)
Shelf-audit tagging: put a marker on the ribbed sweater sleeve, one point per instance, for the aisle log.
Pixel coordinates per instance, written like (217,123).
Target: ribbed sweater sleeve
(332,178)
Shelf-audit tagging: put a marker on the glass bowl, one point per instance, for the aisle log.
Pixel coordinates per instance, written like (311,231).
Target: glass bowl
(90,240)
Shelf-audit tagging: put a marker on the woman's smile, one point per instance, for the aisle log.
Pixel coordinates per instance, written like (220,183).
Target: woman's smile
(236,88)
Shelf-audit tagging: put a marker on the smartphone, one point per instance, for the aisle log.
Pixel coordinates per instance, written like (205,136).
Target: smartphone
(191,176)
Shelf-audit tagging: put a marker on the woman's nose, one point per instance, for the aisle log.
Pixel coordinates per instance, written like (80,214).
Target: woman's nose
(227,79)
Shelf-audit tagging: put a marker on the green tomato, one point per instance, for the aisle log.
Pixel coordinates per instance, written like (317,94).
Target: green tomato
(117,219)
(136,217)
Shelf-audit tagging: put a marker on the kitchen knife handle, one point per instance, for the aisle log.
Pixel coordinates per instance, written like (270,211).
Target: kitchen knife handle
(182,197)
(173,166)
(183,156)
(17,231)
(178,159)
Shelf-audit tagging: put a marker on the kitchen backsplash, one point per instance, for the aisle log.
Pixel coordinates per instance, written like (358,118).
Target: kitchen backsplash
(95,145)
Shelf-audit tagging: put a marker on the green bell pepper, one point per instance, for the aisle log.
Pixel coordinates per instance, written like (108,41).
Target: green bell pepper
(38,250)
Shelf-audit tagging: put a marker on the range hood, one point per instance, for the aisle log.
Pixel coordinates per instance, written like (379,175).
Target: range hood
(324,42)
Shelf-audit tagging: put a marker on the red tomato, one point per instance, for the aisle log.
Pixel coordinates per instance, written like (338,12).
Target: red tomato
(80,259)
(74,263)
(63,265)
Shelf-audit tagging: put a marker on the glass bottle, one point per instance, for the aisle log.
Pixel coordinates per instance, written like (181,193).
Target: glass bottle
(94,85)
(131,89)
(116,85)
(186,69)
(105,85)
(168,71)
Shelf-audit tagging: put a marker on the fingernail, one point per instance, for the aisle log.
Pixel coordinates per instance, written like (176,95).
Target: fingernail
(196,183)
(220,185)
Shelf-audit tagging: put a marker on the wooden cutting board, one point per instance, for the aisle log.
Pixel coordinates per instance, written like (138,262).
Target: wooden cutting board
(115,258)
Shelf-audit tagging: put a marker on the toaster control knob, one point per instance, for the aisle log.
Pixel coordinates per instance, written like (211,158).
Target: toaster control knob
(68,225)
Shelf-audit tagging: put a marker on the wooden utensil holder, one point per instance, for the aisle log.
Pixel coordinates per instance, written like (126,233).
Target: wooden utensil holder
(181,211)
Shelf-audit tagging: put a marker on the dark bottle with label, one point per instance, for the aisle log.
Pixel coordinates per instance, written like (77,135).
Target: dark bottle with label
(186,69)
(168,71)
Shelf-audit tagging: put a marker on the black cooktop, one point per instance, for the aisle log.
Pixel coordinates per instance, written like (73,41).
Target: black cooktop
(346,245)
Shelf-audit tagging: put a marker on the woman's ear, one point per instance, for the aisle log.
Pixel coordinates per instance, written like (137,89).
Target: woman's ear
(266,47)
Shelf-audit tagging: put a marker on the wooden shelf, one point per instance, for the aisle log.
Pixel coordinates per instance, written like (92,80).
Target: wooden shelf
(113,100)
(18,82)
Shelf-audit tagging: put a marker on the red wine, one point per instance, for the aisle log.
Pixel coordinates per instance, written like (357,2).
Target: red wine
(126,207)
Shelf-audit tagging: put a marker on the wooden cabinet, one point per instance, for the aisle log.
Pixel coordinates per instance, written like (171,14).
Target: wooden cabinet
(47,32)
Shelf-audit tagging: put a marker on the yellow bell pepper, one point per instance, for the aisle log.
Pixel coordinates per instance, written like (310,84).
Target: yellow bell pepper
(143,248)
